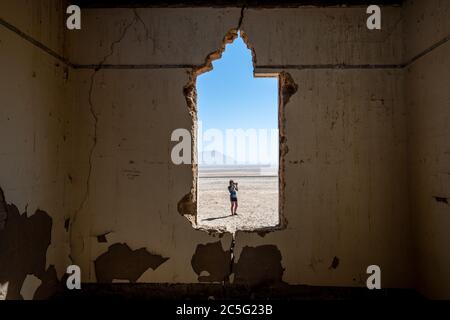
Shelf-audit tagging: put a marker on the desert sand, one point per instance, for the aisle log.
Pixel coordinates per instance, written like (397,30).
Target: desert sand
(257,203)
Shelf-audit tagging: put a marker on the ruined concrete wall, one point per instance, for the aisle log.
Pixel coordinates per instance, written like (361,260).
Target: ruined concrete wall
(346,202)
(346,197)
(134,189)
(125,186)
(427,83)
(33,246)
(85,160)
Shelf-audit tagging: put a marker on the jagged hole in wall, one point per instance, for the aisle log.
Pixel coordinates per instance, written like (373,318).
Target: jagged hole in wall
(237,139)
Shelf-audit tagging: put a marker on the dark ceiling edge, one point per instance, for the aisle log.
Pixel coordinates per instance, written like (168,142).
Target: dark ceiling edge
(230,4)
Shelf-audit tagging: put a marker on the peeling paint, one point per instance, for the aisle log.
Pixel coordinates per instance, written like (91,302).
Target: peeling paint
(214,260)
(187,205)
(23,247)
(120,262)
(50,285)
(29,287)
(259,266)
(3,210)
(334,263)
(101,238)
(442,200)
(96,119)
(67,224)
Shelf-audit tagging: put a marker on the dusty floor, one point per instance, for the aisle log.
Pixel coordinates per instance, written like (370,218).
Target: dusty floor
(257,203)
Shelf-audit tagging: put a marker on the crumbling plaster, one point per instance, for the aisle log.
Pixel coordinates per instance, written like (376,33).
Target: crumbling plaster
(32,138)
(99,163)
(364,128)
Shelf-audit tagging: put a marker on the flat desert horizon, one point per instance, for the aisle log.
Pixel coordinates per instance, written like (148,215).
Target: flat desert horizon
(257,197)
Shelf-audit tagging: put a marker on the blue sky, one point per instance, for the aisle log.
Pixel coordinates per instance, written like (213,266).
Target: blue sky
(229,97)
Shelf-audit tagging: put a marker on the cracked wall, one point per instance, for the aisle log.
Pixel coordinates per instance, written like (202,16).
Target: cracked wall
(427,96)
(345,175)
(23,247)
(346,181)
(93,149)
(33,145)
(134,125)
(345,133)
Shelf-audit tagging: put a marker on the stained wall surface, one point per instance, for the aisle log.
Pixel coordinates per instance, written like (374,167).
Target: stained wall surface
(346,193)
(33,175)
(135,102)
(346,196)
(88,142)
(427,95)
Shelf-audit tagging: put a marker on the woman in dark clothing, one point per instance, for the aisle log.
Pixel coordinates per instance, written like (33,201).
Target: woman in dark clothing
(233,188)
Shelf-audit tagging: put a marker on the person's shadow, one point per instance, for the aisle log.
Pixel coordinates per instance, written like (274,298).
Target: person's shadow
(217,218)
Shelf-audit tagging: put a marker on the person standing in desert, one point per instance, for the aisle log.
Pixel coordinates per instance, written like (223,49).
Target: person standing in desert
(233,189)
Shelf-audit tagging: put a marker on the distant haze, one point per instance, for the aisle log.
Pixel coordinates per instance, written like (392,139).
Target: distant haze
(237,113)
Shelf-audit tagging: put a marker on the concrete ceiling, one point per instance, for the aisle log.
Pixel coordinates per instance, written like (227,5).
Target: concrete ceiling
(226,3)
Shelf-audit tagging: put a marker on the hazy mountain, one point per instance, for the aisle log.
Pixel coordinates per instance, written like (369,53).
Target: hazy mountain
(214,157)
